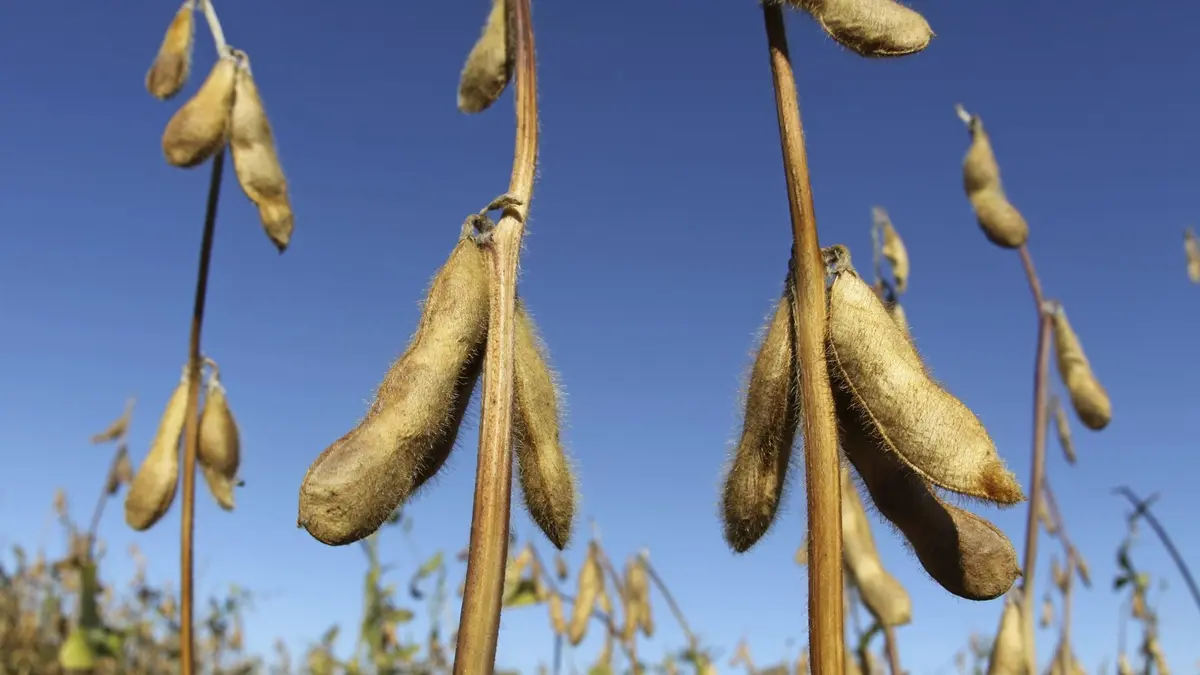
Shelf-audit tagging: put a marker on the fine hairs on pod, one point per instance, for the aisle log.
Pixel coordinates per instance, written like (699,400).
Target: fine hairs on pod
(173,63)
(1088,396)
(590,587)
(757,475)
(1001,222)
(882,594)
(489,65)
(256,159)
(411,426)
(200,128)
(219,452)
(964,553)
(547,484)
(873,28)
(891,393)
(153,488)
(1008,649)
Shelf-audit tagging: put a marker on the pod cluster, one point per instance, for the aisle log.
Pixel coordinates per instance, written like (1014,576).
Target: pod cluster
(154,485)
(226,109)
(904,435)
(413,422)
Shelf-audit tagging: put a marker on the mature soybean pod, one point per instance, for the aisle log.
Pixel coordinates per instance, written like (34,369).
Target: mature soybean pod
(1008,649)
(757,475)
(200,128)
(410,428)
(547,483)
(173,63)
(965,554)
(153,488)
(219,452)
(489,65)
(883,595)
(1088,396)
(873,28)
(910,414)
(256,159)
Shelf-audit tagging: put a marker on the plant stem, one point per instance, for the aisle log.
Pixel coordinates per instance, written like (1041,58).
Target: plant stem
(821,459)
(893,650)
(693,643)
(1143,510)
(191,434)
(98,512)
(1038,458)
(479,621)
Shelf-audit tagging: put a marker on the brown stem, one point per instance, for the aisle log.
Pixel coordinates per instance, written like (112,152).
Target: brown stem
(1143,510)
(102,501)
(1038,458)
(893,650)
(479,621)
(693,643)
(1063,536)
(191,434)
(821,462)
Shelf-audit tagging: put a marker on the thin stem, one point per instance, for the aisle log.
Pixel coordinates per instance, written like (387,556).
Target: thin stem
(1143,510)
(191,435)
(98,512)
(821,461)
(693,643)
(893,650)
(479,621)
(1063,536)
(214,27)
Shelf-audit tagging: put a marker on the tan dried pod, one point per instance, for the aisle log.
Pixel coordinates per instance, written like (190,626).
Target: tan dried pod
(200,128)
(851,664)
(1000,221)
(121,473)
(560,567)
(1081,567)
(1046,519)
(873,28)
(591,583)
(802,663)
(411,427)
(637,589)
(256,159)
(980,169)
(1088,396)
(547,483)
(909,413)
(801,556)
(557,622)
(882,594)
(1191,247)
(1064,430)
(153,488)
(1156,654)
(757,475)
(1047,612)
(118,428)
(219,452)
(489,65)
(893,249)
(1008,649)
(964,553)
(1137,607)
(1060,575)
(1123,665)
(173,63)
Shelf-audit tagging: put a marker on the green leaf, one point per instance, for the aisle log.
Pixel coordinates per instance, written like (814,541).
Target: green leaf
(1121,581)
(76,652)
(398,615)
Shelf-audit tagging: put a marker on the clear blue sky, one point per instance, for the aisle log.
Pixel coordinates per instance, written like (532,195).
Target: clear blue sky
(657,243)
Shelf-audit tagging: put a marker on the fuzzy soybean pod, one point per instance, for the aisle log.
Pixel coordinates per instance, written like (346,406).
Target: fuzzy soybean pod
(173,63)
(591,585)
(219,452)
(489,65)
(154,485)
(1000,221)
(894,250)
(873,28)
(758,473)
(1008,649)
(1088,396)
(964,553)
(200,128)
(1063,426)
(412,425)
(907,412)
(256,159)
(547,483)
(883,595)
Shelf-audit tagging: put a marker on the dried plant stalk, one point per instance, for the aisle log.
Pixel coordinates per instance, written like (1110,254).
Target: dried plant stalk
(489,65)
(256,159)
(873,28)
(1008,650)
(219,450)
(410,428)
(881,593)
(911,415)
(1088,396)
(1001,222)
(547,482)
(964,553)
(200,128)
(173,63)
(757,475)
(153,488)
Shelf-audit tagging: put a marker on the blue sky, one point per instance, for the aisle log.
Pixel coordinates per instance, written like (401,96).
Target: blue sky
(657,243)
